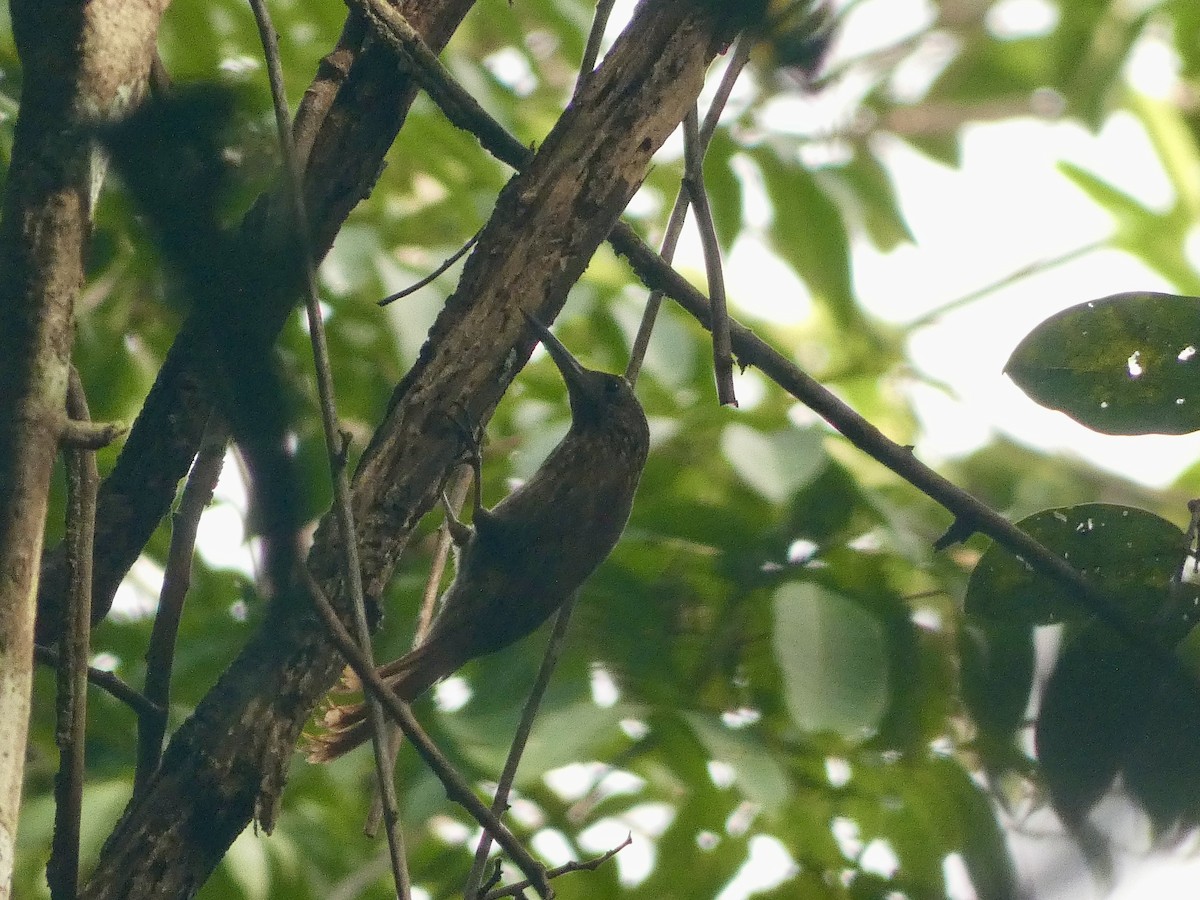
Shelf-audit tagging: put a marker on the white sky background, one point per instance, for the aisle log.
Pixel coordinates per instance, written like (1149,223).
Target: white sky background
(1006,208)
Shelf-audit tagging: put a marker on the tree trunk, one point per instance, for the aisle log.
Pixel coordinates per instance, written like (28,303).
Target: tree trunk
(83,64)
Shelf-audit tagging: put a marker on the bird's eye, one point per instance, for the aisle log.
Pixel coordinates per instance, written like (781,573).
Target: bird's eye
(612,387)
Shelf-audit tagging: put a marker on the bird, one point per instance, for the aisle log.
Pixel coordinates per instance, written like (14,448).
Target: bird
(518,562)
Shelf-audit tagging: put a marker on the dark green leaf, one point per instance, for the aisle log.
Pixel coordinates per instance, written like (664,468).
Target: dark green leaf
(997,673)
(1089,719)
(872,196)
(1125,364)
(1108,708)
(1130,553)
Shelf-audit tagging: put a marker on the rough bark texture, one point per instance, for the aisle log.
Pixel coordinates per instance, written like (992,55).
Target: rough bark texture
(229,761)
(350,118)
(82,63)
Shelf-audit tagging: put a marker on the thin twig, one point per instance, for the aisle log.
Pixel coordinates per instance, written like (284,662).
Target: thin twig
(737,62)
(456,786)
(177,577)
(441,555)
(694,180)
(435,274)
(62,870)
(657,274)
(106,681)
(587,865)
(1033,268)
(591,52)
(351,570)
(558,639)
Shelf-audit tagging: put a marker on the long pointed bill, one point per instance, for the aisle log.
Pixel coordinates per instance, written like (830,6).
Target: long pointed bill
(572,372)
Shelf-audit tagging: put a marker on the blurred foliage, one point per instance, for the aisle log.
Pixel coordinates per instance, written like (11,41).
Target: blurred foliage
(773,656)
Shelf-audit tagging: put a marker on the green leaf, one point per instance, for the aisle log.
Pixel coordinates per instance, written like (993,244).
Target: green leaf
(808,233)
(833,657)
(761,778)
(1091,715)
(1124,364)
(776,464)
(997,674)
(1130,553)
(872,196)
(1156,238)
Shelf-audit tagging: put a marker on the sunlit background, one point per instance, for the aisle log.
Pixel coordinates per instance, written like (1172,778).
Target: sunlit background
(1000,244)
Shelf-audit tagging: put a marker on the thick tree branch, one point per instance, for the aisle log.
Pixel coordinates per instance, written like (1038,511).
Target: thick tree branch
(228,762)
(82,62)
(347,122)
(970,513)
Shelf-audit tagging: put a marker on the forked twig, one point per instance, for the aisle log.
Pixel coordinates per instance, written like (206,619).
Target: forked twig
(737,62)
(558,639)
(587,865)
(694,181)
(107,682)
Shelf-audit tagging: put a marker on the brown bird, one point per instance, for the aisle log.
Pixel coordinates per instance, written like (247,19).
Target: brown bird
(522,559)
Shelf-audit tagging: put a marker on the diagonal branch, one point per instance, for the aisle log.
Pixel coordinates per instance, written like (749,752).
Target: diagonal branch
(229,761)
(347,122)
(970,513)
(334,447)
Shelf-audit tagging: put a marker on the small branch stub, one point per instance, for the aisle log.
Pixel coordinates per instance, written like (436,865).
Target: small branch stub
(82,435)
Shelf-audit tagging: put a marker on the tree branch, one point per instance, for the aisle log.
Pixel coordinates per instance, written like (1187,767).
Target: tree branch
(970,513)
(81,62)
(347,122)
(229,760)
(62,871)
(177,577)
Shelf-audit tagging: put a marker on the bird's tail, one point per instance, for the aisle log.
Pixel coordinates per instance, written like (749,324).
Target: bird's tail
(345,725)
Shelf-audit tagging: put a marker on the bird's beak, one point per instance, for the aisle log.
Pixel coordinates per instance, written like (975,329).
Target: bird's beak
(578,384)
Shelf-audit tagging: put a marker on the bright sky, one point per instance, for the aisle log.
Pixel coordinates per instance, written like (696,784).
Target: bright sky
(1007,208)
